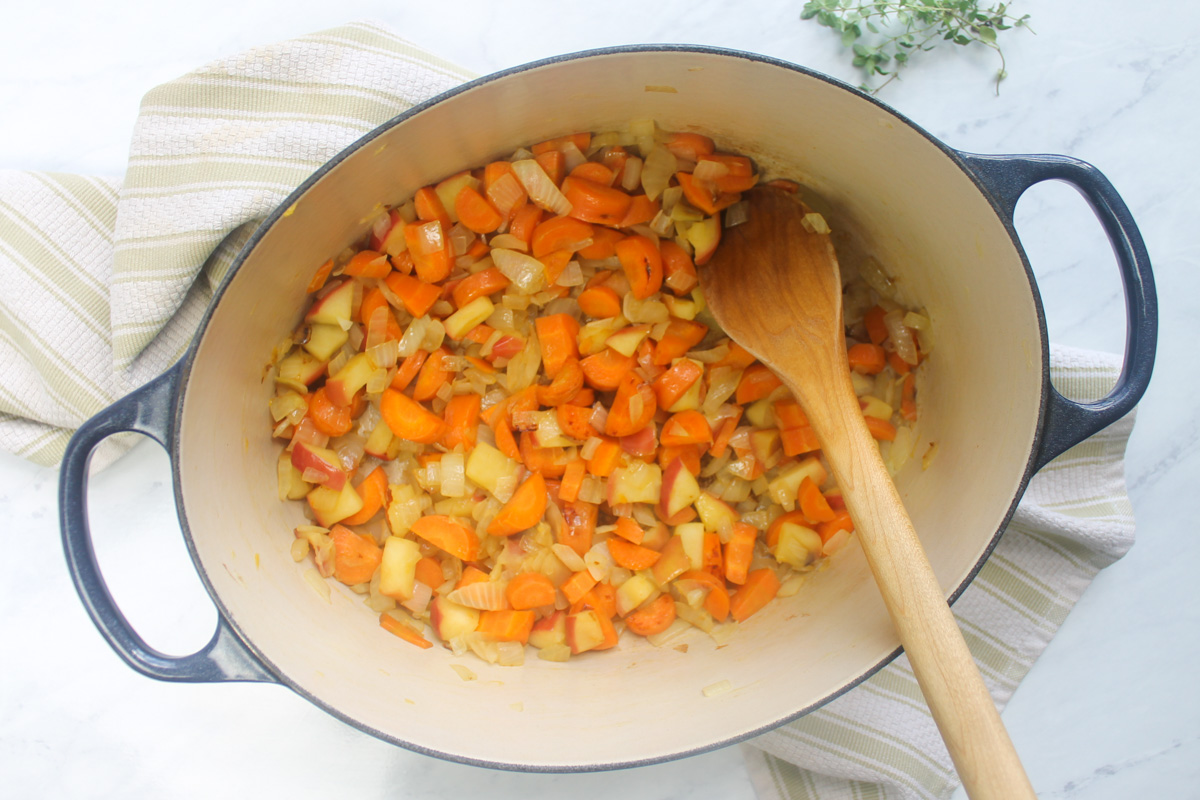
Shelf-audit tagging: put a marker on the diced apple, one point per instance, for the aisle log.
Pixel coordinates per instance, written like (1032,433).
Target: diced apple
(874,407)
(689,400)
(594,335)
(307,456)
(691,535)
(292,485)
(766,446)
(486,466)
(626,340)
(715,514)
(584,631)
(298,369)
(325,340)
(379,442)
(797,545)
(642,444)
(636,482)
(680,307)
(398,569)
(672,561)
(334,307)
(549,631)
(704,236)
(473,313)
(404,508)
(548,432)
(633,592)
(343,385)
(331,506)
(785,486)
(447,191)
(761,413)
(394,242)
(679,488)
(451,620)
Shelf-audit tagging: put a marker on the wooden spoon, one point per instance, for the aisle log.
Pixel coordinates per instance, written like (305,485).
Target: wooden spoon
(775,287)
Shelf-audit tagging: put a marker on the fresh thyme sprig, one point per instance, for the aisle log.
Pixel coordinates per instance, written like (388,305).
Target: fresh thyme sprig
(885,34)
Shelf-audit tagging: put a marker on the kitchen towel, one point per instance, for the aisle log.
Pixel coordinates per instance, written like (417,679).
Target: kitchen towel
(104,282)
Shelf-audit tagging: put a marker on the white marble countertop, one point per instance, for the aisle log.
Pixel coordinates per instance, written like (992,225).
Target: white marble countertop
(1111,709)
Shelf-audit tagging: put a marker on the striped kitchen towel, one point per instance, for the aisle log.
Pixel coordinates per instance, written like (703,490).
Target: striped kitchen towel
(878,742)
(104,281)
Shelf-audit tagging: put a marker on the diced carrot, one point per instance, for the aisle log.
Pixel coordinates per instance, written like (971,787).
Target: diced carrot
(798,441)
(739,552)
(760,588)
(876,329)
(716,600)
(566,384)
(553,263)
(372,299)
(584,397)
(408,419)
(740,176)
(604,244)
(471,574)
(614,157)
(673,383)
(572,479)
(523,510)
(654,617)
(789,414)
(576,421)
(475,212)
(629,530)
(738,357)
(580,518)
(429,572)
(462,420)
(433,375)
(409,368)
(559,233)
(679,271)
(600,302)
(713,562)
(689,454)
(479,335)
(631,556)
(328,417)
(550,461)
(554,164)
(603,371)
(641,210)
(795,517)
(596,202)
(580,140)
(575,587)
(702,196)
(530,590)
(367,264)
(602,597)
(606,458)
(507,625)
(690,145)
(724,433)
(686,427)
(403,262)
(642,263)
(594,171)
(757,382)
(447,533)
(356,556)
(813,503)
(319,277)
(429,207)
(898,364)
(868,359)
(524,221)
(417,295)
(880,428)
(557,337)
(841,522)
(395,626)
(680,337)
(624,417)
(908,405)
(373,491)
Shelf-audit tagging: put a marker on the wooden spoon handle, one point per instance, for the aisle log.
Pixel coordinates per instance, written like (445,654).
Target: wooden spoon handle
(983,754)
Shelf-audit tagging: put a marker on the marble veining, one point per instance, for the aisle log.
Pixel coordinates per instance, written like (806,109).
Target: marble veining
(1111,709)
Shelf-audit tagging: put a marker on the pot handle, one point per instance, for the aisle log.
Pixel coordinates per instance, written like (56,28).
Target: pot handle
(146,411)
(1006,177)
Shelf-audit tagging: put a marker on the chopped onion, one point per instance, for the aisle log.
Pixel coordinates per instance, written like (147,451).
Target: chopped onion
(592,490)
(461,238)
(527,273)
(505,193)
(422,594)
(570,559)
(540,188)
(349,451)
(506,485)
(672,632)
(663,226)
(815,223)
(708,170)
(507,241)
(454,480)
(313,579)
(631,176)
(590,446)
(484,595)
(572,275)
(722,383)
(901,336)
(307,433)
(435,334)
(835,542)
(598,560)
(871,272)
(385,354)
(463,672)
(376,328)
(572,156)
(660,166)
(737,214)
(648,310)
(289,406)
(413,336)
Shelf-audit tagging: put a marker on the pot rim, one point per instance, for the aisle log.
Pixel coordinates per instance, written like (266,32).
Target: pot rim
(186,362)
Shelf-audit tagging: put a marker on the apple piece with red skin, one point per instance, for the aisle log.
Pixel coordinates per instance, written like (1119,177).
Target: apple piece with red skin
(593,335)
(627,340)
(691,535)
(387,236)
(549,631)
(322,459)
(704,237)
(299,369)
(334,306)
(448,189)
(379,442)
(642,444)
(584,631)
(633,592)
(766,446)
(325,340)
(398,568)
(506,347)
(636,482)
(450,619)
(345,383)
(292,485)
(679,488)
(672,561)
(331,506)
(715,514)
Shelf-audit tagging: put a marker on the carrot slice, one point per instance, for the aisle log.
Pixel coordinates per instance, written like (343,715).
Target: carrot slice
(603,371)
(429,207)
(624,417)
(798,441)
(760,588)
(409,368)
(673,383)
(680,337)
(328,417)
(739,552)
(575,587)
(408,419)
(433,374)
(446,533)
(576,421)
(595,202)
(581,140)
(908,405)
(689,454)
(395,626)
(606,458)
(716,601)
(631,556)
(320,276)
(507,625)
(566,385)
(813,503)
(560,233)
(557,337)
(604,244)
(418,295)
(880,428)
(600,302)
(876,329)
(580,518)
(373,491)
(572,479)
(481,284)
(654,617)
(723,434)
(757,382)
(594,171)
(789,414)
(841,522)
(642,263)
(472,574)
(530,590)
(523,510)
(686,427)
(462,420)
(796,517)
(869,359)
(356,556)
(640,212)
(629,530)
(679,271)
(524,221)
(690,145)
(429,572)
(475,212)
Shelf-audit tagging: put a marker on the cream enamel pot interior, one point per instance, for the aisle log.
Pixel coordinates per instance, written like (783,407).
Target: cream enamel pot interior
(940,219)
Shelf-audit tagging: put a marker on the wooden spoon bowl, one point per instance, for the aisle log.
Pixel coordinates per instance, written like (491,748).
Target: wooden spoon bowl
(775,287)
